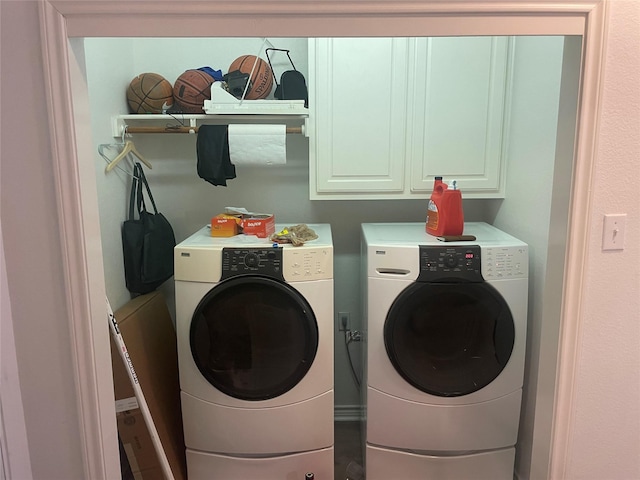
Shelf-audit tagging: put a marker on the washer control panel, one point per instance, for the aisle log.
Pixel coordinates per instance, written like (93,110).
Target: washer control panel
(252,261)
(505,262)
(442,263)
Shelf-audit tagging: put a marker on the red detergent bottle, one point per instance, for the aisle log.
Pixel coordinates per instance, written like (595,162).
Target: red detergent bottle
(444,213)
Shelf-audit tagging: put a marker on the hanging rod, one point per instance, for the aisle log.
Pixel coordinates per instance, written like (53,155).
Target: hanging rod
(186,129)
(190,124)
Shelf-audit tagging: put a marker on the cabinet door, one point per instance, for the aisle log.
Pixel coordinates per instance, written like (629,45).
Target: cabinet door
(358,102)
(458,113)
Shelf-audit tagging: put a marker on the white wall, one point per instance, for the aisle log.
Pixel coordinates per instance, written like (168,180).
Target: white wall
(603,441)
(604,437)
(15,461)
(115,71)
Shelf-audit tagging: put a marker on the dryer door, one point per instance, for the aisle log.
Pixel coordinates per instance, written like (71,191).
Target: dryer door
(449,339)
(253,337)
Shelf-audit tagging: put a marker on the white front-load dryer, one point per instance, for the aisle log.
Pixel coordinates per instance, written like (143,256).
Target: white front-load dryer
(445,345)
(254,324)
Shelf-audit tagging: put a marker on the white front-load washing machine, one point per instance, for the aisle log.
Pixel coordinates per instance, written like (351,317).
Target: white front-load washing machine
(445,336)
(254,324)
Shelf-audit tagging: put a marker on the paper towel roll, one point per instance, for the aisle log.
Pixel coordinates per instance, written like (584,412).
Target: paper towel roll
(257,144)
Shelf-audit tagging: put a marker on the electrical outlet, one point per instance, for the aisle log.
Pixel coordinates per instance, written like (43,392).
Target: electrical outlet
(344,321)
(613,231)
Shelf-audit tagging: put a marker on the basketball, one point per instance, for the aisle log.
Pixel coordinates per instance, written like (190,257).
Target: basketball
(191,89)
(149,93)
(262,78)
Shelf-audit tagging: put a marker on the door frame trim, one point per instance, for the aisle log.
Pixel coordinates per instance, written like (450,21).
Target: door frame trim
(64,20)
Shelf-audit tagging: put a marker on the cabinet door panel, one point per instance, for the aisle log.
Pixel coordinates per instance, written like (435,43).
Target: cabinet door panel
(358,118)
(458,113)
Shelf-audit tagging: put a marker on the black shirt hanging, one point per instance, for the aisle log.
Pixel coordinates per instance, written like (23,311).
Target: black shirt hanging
(212,148)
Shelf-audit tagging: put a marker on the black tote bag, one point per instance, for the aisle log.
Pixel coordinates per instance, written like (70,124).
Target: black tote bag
(147,241)
(292,84)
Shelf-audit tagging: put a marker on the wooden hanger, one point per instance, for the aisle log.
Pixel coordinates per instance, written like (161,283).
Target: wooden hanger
(129,147)
(107,159)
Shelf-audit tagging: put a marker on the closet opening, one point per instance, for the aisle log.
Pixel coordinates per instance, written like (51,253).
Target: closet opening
(571,158)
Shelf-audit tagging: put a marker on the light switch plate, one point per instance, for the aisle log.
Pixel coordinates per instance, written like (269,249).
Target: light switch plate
(613,231)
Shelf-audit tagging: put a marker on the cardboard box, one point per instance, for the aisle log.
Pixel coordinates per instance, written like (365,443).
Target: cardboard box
(138,446)
(260,225)
(225,226)
(150,338)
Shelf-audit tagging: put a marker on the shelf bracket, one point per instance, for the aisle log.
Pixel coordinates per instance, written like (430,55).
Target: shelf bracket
(117,126)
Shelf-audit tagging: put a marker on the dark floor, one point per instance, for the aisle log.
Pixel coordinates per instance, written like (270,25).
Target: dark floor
(347,451)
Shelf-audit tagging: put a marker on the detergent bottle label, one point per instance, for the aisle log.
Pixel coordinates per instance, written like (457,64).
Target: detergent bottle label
(432,216)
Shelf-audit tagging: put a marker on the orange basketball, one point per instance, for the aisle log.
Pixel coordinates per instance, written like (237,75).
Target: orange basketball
(262,78)
(149,93)
(191,89)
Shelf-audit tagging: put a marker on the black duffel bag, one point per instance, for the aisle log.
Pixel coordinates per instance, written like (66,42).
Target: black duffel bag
(147,241)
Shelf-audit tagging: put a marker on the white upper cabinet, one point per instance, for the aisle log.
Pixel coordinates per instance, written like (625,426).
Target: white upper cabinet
(358,96)
(457,113)
(389,114)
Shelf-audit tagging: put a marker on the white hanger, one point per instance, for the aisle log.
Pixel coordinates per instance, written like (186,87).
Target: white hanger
(129,147)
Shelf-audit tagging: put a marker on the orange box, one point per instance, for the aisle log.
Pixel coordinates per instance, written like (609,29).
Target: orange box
(224,226)
(259,225)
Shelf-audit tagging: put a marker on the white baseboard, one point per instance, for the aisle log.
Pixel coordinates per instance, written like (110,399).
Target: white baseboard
(348,413)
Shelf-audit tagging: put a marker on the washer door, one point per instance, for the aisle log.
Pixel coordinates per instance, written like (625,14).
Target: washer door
(253,338)
(449,339)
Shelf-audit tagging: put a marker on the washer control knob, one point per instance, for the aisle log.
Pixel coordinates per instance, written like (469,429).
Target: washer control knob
(251,260)
(451,261)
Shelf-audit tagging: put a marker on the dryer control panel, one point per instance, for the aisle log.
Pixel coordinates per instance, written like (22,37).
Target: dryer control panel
(443,263)
(308,264)
(252,261)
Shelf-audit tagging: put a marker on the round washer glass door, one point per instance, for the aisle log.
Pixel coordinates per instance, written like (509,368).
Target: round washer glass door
(449,339)
(253,338)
